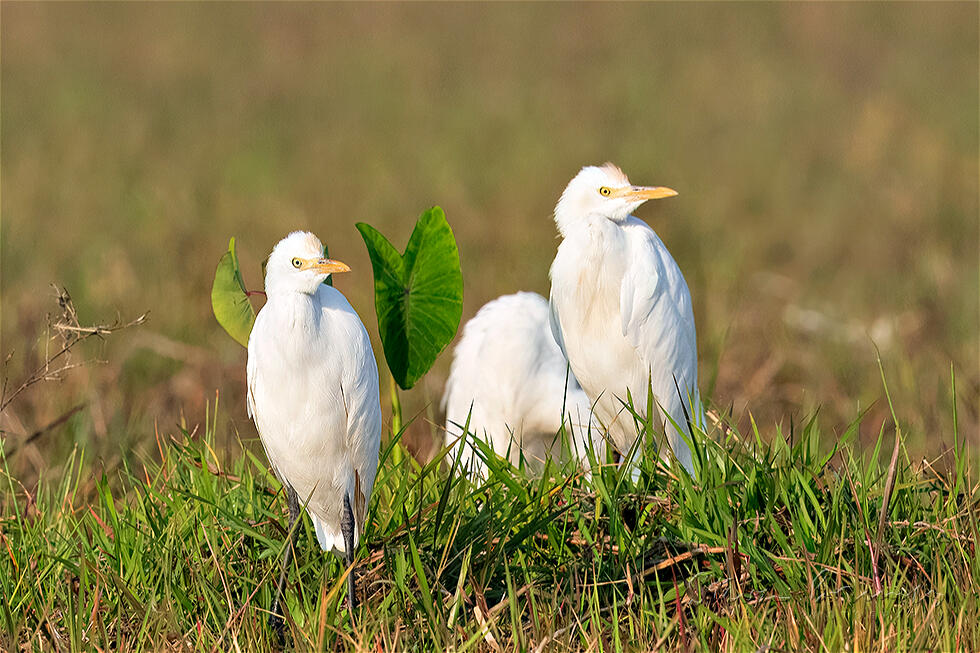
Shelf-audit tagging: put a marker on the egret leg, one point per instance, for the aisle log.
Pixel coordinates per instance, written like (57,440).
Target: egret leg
(275,619)
(347,527)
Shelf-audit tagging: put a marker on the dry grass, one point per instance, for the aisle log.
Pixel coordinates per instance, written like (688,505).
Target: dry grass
(777,546)
(825,154)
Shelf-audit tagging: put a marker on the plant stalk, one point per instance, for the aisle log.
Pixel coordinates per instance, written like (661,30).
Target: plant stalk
(396,417)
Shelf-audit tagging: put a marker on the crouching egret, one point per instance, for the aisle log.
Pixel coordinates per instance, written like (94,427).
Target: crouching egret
(508,379)
(313,394)
(621,310)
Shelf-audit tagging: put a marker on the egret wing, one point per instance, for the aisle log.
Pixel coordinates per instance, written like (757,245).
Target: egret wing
(251,375)
(658,320)
(361,397)
(556,325)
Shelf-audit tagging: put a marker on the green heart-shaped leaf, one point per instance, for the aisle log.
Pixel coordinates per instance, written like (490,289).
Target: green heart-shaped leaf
(229,300)
(418,296)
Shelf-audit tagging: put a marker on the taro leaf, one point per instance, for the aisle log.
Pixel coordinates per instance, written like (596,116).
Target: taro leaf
(418,296)
(229,300)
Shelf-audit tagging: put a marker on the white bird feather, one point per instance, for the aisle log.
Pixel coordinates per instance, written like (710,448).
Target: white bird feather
(313,390)
(621,309)
(508,378)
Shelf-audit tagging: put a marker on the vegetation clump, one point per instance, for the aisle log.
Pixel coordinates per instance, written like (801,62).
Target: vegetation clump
(778,544)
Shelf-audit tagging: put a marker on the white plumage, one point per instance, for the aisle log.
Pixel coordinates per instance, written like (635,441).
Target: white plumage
(508,378)
(313,390)
(621,310)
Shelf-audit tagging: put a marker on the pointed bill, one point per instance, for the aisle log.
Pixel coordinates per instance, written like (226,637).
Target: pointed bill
(644,193)
(328,266)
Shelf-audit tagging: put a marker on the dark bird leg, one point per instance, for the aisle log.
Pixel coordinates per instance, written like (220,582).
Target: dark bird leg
(275,619)
(347,527)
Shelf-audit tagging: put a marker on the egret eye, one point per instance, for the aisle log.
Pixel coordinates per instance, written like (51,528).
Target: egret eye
(605,192)
(297,263)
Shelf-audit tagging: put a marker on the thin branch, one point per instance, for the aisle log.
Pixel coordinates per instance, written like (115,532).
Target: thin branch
(72,333)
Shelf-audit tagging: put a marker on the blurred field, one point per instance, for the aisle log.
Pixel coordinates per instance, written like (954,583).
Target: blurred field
(826,157)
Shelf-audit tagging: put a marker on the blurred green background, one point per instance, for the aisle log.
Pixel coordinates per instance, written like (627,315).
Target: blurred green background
(826,156)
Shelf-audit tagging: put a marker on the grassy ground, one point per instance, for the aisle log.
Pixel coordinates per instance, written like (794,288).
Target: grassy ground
(826,156)
(779,546)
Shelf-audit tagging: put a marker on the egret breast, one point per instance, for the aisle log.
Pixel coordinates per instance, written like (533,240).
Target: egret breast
(586,279)
(298,405)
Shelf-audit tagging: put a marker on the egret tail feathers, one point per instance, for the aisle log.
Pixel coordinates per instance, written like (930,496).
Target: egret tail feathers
(331,537)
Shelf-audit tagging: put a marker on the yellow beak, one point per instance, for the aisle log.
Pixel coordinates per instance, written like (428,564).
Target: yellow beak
(644,193)
(329,266)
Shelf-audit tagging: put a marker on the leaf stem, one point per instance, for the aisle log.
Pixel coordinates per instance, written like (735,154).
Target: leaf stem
(396,416)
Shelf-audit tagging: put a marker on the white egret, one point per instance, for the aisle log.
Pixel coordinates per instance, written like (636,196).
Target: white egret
(621,310)
(313,394)
(508,378)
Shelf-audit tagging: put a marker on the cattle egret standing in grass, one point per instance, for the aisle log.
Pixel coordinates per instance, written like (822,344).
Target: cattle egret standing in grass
(313,393)
(508,381)
(621,310)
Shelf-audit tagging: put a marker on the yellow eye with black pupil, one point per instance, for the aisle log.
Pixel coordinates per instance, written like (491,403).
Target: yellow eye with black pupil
(605,192)
(297,262)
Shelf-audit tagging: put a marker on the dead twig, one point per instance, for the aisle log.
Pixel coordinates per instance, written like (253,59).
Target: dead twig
(72,332)
(696,549)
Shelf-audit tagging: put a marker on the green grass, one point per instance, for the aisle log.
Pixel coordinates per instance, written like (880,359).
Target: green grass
(826,158)
(782,543)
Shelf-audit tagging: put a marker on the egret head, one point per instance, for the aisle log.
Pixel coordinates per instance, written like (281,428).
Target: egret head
(603,192)
(297,264)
